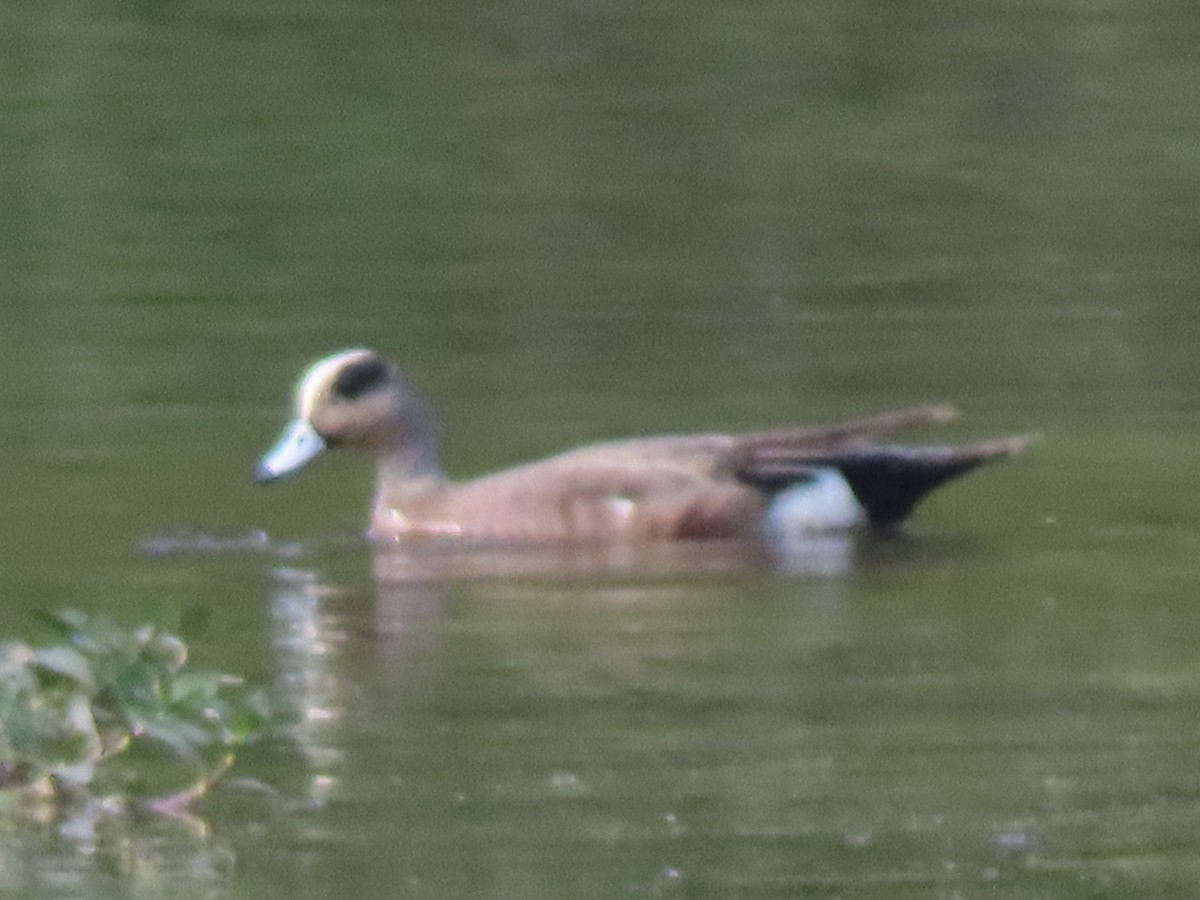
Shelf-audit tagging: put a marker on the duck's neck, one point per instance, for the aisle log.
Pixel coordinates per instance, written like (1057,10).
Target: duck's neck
(416,451)
(409,480)
(412,463)
(410,476)
(401,467)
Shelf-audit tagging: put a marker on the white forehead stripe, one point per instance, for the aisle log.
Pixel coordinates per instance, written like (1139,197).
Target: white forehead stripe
(319,376)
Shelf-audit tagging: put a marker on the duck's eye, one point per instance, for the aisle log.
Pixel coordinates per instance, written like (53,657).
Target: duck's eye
(359,378)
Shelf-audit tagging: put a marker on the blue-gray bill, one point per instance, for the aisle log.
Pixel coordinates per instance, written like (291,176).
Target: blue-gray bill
(297,446)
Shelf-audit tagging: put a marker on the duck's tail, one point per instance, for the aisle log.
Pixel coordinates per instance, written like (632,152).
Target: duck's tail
(888,481)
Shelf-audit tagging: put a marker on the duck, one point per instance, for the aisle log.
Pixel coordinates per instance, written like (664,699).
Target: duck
(675,487)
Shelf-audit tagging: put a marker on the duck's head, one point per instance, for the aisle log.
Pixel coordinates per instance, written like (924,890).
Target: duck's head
(355,399)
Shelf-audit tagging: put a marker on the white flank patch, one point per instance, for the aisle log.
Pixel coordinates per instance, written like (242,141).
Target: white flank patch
(622,508)
(823,503)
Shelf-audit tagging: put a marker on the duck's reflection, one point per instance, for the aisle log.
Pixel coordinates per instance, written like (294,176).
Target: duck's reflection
(434,559)
(373,659)
(410,582)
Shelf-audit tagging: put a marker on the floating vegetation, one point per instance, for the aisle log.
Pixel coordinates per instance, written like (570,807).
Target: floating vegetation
(117,717)
(195,543)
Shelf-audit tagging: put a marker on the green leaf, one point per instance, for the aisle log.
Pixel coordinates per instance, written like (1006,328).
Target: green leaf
(183,737)
(117,707)
(65,623)
(196,690)
(66,662)
(77,774)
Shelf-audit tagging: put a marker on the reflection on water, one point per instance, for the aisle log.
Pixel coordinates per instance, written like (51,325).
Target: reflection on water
(305,638)
(78,855)
(702,719)
(745,727)
(440,559)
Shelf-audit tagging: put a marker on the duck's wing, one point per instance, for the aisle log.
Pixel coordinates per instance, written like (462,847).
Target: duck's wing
(888,481)
(720,455)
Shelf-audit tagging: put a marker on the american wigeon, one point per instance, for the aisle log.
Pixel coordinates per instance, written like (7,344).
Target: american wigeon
(655,488)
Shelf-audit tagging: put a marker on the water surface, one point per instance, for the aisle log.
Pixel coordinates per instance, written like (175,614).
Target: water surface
(580,221)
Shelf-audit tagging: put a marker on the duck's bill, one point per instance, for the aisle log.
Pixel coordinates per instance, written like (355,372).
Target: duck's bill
(297,447)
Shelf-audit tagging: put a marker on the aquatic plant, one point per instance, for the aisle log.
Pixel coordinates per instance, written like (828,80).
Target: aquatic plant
(120,714)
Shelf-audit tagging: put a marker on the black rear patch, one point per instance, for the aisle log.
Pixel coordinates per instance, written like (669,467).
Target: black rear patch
(360,378)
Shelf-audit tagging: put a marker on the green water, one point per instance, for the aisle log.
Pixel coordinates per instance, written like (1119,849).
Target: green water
(573,221)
